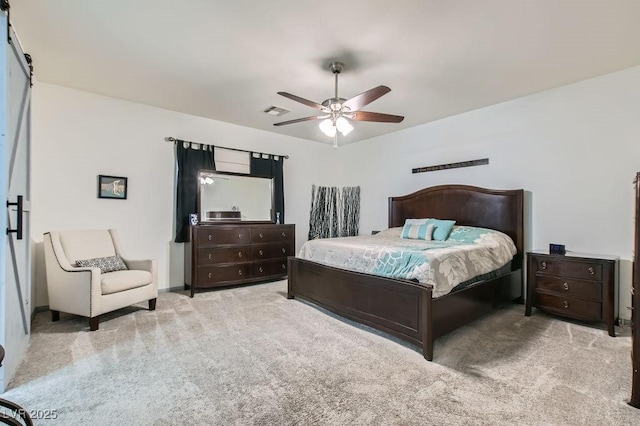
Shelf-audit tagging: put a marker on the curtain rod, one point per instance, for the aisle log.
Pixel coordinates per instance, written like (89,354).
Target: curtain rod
(172,139)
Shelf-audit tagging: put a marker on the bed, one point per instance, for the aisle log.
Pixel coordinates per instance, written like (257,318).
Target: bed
(407,309)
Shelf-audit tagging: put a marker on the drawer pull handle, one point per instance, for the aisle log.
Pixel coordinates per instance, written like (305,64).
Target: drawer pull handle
(210,237)
(209,256)
(261,236)
(239,271)
(591,270)
(284,266)
(209,275)
(565,303)
(239,254)
(284,250)
(284,234)
(544,265)
(260,252)
(239,236)
(260,269)
(565,286)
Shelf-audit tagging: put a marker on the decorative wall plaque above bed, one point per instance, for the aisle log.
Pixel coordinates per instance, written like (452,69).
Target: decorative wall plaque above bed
(480,162)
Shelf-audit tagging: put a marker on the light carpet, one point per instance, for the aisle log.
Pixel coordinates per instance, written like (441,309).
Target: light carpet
(247,355)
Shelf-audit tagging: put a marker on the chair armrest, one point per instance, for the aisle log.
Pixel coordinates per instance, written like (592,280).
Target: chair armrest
(71,289)
(149,265)
(143,265)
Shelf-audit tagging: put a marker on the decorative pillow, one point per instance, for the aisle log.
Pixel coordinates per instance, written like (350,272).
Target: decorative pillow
(442,228)
(418,232)
(106,264)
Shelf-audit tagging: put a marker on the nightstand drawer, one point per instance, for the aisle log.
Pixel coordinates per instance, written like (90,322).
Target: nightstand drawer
(569,307)
(567,287)
(568,268)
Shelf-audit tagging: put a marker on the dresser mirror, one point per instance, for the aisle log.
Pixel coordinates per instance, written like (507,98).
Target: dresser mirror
(234,197)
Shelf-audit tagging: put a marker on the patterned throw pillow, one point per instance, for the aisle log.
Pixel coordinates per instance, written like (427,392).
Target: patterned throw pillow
(418,232)
(106,264)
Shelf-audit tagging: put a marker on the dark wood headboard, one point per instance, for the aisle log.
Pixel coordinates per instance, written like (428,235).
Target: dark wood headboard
(467,205)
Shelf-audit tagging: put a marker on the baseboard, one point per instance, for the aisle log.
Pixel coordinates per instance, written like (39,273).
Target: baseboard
(624,322)
(171,289)
(38,309)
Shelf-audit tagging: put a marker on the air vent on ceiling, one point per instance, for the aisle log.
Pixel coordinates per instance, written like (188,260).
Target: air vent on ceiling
(276,111)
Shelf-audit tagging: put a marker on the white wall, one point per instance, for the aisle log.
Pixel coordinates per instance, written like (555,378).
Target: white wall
(79,135)
(576,149)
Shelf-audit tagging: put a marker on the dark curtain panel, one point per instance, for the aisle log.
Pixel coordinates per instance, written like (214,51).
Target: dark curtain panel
(189,161)
(271,166)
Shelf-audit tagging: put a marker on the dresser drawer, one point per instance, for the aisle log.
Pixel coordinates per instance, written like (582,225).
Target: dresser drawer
(270,251)
(568,268)
(569,307)
(215,235)
(570,287)
(226,273)
(214,255)
(265,269)
(272,234)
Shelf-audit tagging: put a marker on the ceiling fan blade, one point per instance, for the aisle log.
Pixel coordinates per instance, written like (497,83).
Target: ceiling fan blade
(300,120)
(303,101)
(366,98)
(376,116)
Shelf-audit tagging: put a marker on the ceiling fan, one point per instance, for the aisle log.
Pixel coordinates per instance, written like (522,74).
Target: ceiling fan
(338,111)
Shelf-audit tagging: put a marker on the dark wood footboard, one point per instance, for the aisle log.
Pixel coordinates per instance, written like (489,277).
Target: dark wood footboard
(401,308)
(398,307)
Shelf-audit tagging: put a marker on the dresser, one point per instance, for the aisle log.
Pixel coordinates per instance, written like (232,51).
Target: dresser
(576,285)
(224,254)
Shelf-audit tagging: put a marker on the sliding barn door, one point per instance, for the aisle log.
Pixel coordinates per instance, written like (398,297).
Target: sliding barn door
(15,246)
(635,305)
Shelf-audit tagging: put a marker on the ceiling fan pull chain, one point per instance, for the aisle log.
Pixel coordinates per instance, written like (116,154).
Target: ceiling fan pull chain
(335,141)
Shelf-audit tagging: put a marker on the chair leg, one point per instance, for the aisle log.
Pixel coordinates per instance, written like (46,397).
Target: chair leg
(152,304)
(55,316)
(94,322)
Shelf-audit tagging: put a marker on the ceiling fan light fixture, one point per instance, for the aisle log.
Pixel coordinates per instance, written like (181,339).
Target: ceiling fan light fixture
(344,126)
(328,128)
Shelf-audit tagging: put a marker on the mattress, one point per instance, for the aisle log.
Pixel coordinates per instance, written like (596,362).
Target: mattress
(469,252)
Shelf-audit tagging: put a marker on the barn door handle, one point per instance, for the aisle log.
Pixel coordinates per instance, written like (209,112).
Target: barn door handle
(18,230)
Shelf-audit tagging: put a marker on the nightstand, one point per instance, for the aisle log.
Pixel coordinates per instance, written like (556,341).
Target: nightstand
(575,285)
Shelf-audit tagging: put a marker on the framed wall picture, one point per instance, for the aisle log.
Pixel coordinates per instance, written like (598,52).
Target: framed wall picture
(112,187)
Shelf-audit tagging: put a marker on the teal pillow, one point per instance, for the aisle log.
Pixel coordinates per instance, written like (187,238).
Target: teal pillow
(442,228)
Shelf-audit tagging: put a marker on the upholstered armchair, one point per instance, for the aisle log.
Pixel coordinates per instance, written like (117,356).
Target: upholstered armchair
(103,284)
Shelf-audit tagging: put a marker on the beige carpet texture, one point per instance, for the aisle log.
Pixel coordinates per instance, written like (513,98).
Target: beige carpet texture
(247,355)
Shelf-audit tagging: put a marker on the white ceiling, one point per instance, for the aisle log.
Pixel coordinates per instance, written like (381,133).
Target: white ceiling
(226,59)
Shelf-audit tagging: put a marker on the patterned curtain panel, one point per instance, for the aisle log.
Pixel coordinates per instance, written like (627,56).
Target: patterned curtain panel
(350,211)
(334,212)
(189,160)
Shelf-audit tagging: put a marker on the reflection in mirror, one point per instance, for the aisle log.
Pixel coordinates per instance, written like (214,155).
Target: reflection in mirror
(233,197)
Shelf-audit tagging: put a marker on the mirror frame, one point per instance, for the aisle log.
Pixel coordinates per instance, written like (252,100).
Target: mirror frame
(202,220)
